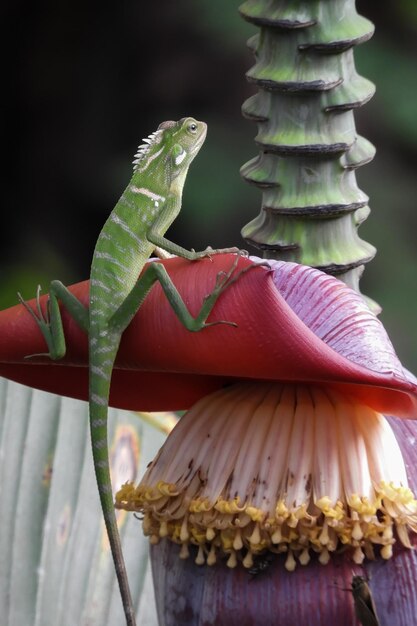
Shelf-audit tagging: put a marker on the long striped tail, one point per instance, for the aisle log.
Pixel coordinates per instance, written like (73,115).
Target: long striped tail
(100,376)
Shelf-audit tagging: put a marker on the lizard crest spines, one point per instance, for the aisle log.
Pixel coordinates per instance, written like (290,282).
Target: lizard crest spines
(143,149)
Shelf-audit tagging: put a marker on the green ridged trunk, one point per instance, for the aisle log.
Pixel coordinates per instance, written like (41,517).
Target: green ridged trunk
(308,89)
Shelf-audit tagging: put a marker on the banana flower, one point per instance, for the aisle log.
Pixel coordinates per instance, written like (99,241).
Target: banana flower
(284,462)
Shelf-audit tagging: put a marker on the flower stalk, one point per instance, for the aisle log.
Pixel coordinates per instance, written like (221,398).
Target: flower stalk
(309,150)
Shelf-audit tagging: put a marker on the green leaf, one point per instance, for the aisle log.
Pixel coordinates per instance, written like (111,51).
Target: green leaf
(56,567)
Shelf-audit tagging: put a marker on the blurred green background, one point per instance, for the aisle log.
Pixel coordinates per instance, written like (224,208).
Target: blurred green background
(85,81)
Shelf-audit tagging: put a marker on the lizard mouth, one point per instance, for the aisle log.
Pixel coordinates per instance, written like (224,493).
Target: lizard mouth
(199,142)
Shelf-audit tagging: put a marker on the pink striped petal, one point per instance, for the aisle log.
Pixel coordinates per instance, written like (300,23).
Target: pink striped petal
(338,316)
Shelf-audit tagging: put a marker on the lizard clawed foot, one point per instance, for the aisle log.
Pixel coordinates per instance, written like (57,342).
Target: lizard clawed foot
(229,279)
(233,250)
(43,321)
(209,252)
(40,318)
(205,254)
(223,281)
(223,278)
(37,354)
(207,324)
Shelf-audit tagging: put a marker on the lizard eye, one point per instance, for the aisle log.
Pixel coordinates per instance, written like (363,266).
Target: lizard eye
(192,127)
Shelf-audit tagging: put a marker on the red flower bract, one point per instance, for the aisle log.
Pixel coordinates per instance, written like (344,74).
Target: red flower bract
(293,324)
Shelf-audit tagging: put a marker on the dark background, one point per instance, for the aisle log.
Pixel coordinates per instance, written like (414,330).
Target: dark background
(85,81)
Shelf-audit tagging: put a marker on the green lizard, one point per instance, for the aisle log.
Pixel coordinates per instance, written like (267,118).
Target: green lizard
(134,229)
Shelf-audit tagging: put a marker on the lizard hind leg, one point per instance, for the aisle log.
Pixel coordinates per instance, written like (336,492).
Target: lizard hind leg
(50,321)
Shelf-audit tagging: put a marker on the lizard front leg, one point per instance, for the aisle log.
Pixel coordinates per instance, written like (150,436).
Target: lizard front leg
(164,244)
(156,272)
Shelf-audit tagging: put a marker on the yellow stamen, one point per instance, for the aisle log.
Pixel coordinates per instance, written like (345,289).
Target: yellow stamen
(211,557)
(232,560)
(304,557)
(290,563)
(184,552)
(237,541)
(248,560)
(200,558)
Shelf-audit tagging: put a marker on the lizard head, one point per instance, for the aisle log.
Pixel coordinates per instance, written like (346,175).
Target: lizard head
(183,140)
(176,142)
